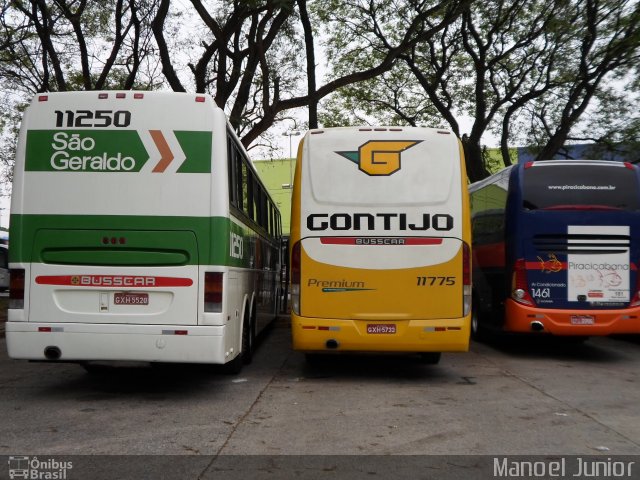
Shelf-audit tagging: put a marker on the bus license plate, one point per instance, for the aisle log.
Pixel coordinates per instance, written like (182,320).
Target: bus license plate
(583,320)
(129,298)
(381,328)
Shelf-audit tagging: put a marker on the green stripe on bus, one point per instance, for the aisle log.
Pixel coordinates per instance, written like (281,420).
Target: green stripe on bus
(197,148)
(80,239)
(109,151)
(84,151)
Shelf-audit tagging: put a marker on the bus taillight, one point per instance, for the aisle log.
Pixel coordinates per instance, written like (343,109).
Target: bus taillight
(466,279)
(519,285)
(635,301)
(213,292)
(16,288)
(295,278)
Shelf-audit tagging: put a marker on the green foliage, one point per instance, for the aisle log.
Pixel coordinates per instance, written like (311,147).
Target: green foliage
(538,72)
(526,71)
(12,109)
(389,99)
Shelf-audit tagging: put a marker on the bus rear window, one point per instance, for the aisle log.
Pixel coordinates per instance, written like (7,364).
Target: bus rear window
(580,186)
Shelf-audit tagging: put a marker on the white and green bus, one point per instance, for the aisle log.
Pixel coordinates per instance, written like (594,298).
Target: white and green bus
(140,231)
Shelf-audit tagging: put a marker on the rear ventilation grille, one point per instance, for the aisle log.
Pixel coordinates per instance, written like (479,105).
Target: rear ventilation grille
(581,243)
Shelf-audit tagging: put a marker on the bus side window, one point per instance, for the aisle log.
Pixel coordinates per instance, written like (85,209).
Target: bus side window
(488,227)
(487,206)
(262,210)
(244,188)
(4,258)
(231,166)
(248,191)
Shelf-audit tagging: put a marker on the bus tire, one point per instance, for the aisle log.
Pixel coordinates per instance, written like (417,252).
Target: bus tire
(276,306)
(475,322)
(478,330)
(430,358)
(575,339)
(233,367)
(248,339)
(93,368)
(314,359)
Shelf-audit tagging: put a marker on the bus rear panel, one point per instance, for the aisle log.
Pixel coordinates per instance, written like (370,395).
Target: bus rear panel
(123,246)
(569,248)
(379,242)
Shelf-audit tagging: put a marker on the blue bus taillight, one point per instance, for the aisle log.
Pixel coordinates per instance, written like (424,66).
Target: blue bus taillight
(635,301)
(519,285)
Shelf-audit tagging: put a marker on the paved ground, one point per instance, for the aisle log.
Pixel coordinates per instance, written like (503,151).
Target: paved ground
(511,398)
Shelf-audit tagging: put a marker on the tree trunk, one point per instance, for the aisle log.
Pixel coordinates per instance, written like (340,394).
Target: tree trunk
(474,160)
(311,64)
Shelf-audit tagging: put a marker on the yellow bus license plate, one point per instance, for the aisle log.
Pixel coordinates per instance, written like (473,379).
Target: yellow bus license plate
(374,328)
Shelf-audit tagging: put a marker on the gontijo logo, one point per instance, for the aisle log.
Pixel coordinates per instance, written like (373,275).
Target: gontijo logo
(379,157)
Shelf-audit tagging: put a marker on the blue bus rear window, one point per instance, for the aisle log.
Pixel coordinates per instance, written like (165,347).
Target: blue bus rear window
(559,187)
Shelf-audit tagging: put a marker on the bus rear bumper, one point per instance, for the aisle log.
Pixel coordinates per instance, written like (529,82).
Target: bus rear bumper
(524,319)
(105,342)
(312,334)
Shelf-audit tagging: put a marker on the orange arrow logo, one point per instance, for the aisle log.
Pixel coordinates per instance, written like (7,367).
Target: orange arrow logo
(166,155)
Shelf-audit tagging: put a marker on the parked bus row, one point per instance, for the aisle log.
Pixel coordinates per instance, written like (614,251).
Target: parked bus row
(380,245)
(141,231)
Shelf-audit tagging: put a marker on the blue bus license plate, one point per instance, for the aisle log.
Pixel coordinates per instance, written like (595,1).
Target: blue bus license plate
(583,320)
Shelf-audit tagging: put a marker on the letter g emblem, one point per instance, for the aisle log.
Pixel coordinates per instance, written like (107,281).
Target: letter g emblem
(382,157)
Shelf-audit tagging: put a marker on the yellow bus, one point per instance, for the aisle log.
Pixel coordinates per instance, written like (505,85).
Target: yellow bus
(380,242)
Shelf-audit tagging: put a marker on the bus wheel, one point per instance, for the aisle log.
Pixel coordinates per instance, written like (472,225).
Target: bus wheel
(248,338)
(276,304)
(475,327)
(314,359)
(478,331)
(575,339)
(234,366)
(246,355)
(430,358)
(94,368)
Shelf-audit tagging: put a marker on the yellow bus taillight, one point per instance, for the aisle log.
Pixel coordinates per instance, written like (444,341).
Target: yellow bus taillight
(295,278)
(466,279)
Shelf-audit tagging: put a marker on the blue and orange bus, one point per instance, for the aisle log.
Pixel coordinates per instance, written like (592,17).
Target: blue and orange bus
(556,249)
